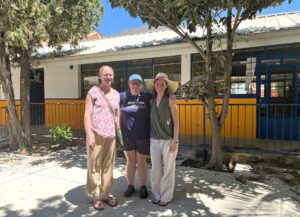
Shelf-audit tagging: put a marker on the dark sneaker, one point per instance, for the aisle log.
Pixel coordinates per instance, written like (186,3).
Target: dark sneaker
(143,192)
(129,191)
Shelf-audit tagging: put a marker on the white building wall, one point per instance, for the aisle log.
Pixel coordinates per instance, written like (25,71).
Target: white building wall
(16,81)
(1,93)
(185,68)
(183,49)
(61,81)
(53,67)
(15,77)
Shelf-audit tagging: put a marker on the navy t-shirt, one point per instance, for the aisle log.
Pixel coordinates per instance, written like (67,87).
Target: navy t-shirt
(135,115)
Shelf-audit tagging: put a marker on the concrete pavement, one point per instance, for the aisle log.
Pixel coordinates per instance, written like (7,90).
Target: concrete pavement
(53,185)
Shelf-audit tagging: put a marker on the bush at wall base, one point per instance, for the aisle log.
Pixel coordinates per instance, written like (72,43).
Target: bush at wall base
(62,136)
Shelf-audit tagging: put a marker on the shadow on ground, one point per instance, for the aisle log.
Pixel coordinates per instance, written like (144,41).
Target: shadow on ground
(67,158)
(197,193)
(76,203)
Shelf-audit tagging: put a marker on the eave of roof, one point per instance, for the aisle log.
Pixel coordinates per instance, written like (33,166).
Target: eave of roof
(143,37)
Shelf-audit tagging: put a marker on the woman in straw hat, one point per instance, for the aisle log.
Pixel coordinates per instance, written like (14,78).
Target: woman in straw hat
(164,142)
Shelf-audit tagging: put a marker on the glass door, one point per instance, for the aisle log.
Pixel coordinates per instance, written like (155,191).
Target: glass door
(279,117)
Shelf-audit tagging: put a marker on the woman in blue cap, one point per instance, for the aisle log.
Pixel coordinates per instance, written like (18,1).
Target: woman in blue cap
(135,125)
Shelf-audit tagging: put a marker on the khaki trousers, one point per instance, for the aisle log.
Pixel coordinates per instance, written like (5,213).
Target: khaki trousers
(100,166)
(162,174)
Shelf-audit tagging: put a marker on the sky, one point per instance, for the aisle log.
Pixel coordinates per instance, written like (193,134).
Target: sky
(117,20)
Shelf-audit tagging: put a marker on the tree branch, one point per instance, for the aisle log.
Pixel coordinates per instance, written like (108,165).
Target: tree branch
(237,21)
(228,59)
(184,35)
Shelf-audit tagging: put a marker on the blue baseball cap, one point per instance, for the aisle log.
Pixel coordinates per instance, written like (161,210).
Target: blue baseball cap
(135,77)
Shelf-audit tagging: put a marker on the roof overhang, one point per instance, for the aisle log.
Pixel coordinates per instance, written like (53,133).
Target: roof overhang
(179,48)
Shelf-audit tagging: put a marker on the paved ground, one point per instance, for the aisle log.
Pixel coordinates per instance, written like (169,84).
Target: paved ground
(53,185)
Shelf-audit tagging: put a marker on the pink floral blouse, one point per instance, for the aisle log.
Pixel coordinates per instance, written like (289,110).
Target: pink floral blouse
(102,120)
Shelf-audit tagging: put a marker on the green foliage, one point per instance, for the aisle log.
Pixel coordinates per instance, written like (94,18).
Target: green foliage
(26,25)
(193,13)
(29,23)
(217,19)
(61,134)
(71,20)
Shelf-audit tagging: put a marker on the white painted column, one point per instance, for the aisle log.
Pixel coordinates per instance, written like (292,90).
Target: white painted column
(62,81)
(78,69)
(15,77)
(1,93)
(185,67)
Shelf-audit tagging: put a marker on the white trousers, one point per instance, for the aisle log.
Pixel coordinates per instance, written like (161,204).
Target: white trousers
(162,174)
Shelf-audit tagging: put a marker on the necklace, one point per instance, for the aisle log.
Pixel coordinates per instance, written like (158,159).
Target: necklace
(137,99)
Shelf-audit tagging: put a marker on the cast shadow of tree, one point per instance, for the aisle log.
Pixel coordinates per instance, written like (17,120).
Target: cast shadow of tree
(68,158)
(224,187)
(76,203)
(192,185)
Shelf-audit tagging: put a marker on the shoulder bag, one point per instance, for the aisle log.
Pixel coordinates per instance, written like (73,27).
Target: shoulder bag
(118,129)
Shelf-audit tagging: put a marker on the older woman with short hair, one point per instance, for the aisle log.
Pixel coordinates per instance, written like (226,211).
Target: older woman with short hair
(100,118)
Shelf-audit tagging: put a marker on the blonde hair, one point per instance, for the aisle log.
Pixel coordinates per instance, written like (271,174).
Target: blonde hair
(101,69)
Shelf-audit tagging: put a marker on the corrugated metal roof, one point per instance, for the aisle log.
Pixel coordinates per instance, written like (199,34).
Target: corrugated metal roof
(269,23)
(143,37)
(138,30)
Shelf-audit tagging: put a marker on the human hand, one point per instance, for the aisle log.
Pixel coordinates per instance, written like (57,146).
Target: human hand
(173,147)
(91,141)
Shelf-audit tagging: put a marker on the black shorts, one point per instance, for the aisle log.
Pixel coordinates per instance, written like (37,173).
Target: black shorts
(140,146)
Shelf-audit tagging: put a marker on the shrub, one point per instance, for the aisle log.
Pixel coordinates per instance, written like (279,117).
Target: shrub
(62,134)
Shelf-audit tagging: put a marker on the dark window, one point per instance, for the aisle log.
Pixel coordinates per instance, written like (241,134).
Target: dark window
(238,75)
(147,68)
(144,67)
(169,65)
(240,82)
(172,70)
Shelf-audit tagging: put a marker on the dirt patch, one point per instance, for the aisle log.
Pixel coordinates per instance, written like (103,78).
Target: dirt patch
(259,172)
(39,148)
(290,177)
(192,163)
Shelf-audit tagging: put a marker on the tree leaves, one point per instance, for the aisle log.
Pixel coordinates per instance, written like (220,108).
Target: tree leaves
(218,19)
(28,23)
(14,6)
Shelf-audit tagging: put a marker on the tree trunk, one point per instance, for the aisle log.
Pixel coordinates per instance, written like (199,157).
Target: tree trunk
(215,161)
(13,144)
(15,129)
(216,157)
(25,97)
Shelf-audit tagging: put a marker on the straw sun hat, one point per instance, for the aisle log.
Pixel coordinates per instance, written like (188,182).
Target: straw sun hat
(172,85)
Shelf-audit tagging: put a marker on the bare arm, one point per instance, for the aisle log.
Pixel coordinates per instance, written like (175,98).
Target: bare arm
(88,122)
(175,117)
(119,117)
(118,113)
(171,98)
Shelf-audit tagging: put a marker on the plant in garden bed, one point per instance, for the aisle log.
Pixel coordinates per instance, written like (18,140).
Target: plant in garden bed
(62,136)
